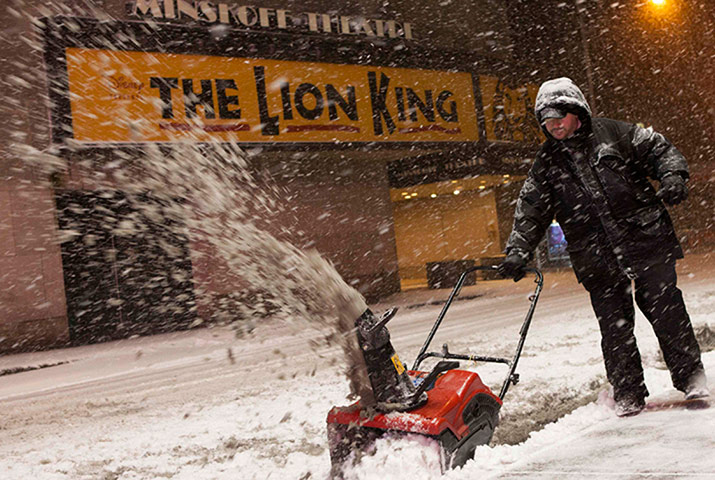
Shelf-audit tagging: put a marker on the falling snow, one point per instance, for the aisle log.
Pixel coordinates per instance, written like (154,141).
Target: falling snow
(230,372)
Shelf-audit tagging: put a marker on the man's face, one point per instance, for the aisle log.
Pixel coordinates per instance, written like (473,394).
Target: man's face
(561,128)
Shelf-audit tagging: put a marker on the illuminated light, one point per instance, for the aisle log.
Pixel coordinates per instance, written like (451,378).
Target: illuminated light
(506,175)
(454,181)
(658,3)
(434,195)
(483,181)
(413,195)
(456,192)
(482,187)
(404,194)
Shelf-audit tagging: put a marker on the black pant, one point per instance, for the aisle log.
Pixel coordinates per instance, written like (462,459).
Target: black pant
(661,302)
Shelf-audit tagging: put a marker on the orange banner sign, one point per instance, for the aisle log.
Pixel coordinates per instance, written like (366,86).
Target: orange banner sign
(119,96)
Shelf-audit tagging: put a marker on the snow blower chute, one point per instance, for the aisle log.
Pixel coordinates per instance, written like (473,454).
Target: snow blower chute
(449,405)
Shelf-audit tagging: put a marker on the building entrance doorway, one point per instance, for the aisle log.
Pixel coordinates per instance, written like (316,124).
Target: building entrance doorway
(126,266)
(451,222)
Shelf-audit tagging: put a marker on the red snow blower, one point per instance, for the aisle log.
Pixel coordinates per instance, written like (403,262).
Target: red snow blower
(449,405)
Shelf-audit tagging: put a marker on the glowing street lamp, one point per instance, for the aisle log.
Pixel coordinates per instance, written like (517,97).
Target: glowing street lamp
(662,7)
(663,11)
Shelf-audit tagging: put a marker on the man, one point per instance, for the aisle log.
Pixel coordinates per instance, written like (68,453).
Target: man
(592,175)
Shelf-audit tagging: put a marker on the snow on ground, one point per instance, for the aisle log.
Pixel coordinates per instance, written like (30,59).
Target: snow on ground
(206,405)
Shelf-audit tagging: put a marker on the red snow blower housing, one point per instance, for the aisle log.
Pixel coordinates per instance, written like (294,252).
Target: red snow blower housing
(449,405)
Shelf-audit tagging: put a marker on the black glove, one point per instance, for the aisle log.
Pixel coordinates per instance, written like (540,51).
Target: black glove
(514,265)
(672,189)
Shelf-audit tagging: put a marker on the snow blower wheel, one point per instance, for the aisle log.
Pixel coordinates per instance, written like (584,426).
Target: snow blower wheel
(453,407)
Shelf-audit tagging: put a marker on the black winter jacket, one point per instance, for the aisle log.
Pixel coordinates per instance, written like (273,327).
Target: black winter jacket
(597,186)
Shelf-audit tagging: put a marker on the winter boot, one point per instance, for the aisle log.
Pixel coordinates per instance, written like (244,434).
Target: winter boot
(629,405)
(697,387)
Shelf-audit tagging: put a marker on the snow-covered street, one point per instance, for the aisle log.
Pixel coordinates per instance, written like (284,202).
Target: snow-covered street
(209,211)
(204,404)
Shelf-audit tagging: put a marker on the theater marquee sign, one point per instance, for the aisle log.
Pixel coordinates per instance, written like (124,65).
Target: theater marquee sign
(246,16)
(125,96)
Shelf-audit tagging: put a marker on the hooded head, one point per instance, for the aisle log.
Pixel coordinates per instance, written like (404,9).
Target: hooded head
(558,97)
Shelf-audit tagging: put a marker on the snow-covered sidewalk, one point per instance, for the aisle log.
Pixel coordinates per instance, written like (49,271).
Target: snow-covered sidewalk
(592,442)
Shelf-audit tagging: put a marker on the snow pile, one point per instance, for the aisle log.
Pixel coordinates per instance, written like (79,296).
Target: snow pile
(413,456)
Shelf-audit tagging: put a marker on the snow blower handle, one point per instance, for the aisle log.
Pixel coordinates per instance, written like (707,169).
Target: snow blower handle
(512,376)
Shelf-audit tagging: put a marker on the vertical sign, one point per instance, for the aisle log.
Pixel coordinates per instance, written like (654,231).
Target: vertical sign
(509,112)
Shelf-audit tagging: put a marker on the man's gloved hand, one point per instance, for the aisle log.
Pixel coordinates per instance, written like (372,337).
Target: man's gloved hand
(514,265)
(672,189)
